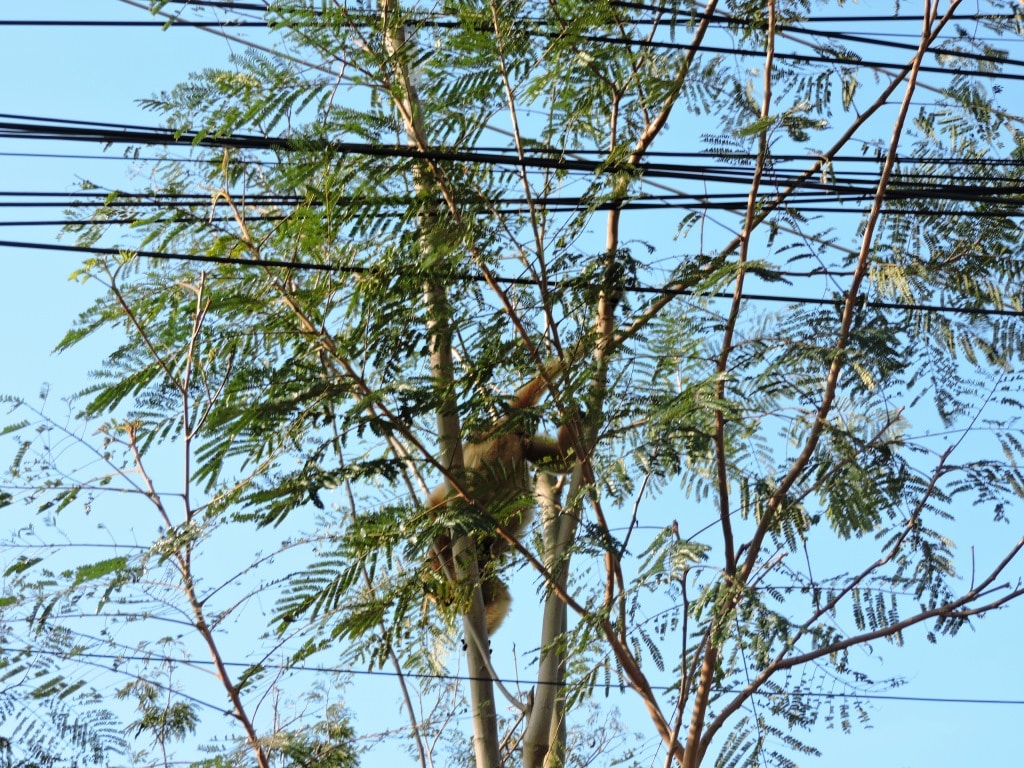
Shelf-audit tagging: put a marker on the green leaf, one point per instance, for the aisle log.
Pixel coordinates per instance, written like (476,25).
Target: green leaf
(94,571)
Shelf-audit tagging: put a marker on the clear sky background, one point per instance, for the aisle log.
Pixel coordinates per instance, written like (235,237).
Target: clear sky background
(97,73)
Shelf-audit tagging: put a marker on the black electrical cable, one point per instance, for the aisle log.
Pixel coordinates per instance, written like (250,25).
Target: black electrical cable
(518,281)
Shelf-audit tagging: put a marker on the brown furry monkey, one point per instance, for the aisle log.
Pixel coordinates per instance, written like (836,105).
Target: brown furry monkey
(499,479)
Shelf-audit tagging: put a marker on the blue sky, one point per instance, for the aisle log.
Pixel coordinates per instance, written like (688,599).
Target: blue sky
(99,73)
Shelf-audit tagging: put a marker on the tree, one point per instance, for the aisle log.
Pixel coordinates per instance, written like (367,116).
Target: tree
(397,215)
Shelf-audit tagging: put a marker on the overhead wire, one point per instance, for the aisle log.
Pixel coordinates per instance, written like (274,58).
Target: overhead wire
(27,127)
(636,288)
(115,24)
(860,186)
(109,132)
(442,21)
(441,676)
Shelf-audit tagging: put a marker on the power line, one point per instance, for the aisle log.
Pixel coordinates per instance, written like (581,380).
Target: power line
(437,20)
(727,20)
(730,157)
(30,127)
(351,671)
(853,185)
(118,23)
(177,213)
(795,57)
(512,281)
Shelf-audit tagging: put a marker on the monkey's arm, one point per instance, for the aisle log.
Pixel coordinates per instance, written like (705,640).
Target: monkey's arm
(530,393)
(552,454)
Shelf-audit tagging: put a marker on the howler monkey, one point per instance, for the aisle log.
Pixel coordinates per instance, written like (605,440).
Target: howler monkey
(499,480)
